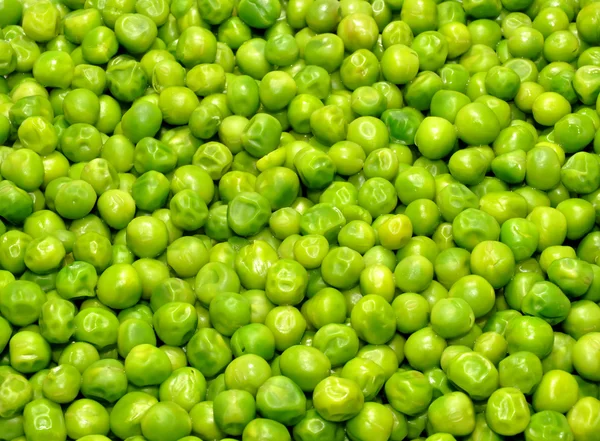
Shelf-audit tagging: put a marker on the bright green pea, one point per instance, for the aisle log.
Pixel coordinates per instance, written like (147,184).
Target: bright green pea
(446,405)
(42,420)
(29,352)
(507,398)
(460,372)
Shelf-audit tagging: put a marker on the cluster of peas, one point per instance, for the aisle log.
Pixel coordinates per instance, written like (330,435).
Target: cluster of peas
(318,220)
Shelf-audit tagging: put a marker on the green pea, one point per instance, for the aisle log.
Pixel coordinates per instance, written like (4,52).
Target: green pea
(507,398)
(289,411)
(86,417)
(555,421)
(443,406)
(29,352)
(52,424)
(338,399)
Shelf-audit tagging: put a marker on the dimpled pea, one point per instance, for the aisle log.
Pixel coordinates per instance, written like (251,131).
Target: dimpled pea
(367,374)
(57,320)
(373,319)
(473,226)
(585,84)
(96,326)
(328,124)
(261,135)
(338,342)
(327,306)
(502,82)
(402,124)
(529,334)
(409,392)
(43,420)
(341,267)
(289,410)
(252,263)
(21,302)
(186,387)
(76,280)
(16,392)
(548,424)
(233,410)
(29,352)
(378,196)
(286,282)
(453,414)
(93,248)
(432,49)
(175,323)
(126,79)
(208,352)
(153,155)
(521,236)
(547,301)
(36,133)
(229,312)
(473,373)
(382,163)
(338,399)
(581,173)
(507,412)
(573,276)
(362,68)
(44,254)
(248,213)
(315,169)
(419,92)
(213,278)
(493,261)
(61,385)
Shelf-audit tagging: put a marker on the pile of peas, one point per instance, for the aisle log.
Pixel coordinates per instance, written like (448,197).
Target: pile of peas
(307,220)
